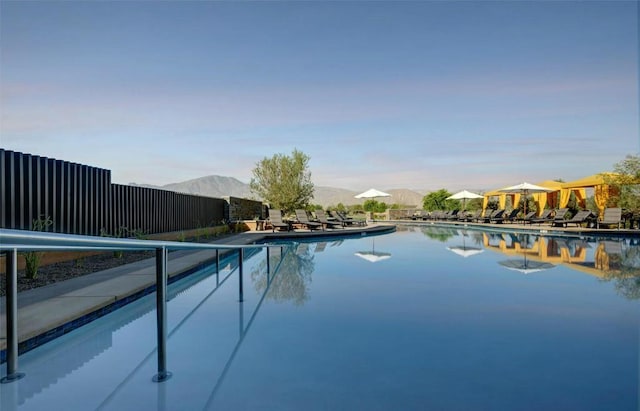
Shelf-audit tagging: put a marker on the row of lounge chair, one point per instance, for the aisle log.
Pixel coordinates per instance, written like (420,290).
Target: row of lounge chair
(612,217)
(320,222)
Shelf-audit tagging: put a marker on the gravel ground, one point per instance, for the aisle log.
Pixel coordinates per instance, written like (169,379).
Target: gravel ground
(62,271)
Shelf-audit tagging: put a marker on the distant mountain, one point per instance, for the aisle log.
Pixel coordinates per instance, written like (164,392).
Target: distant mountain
(219,186)
(212,186)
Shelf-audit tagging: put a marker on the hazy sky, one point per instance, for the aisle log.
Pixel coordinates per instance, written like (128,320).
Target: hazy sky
(416,94)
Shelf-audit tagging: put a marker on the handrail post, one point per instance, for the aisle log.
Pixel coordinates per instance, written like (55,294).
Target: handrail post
(12,317)
(161,311)
(240,285)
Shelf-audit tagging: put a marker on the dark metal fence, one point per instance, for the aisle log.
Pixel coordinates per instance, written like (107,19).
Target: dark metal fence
(81,199)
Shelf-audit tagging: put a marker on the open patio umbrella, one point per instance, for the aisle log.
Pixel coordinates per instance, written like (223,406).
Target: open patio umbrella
(526,266)
(525,189)
(373,193)
(463,195)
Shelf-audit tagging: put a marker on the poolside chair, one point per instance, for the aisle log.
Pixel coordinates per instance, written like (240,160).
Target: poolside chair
(501,218)
(584,216)
(612,216)
(492,216)
(275,220)
(326,223)
(473,216)
(559,217)
(544,218)
(346,221)
(303,219)
(527,218)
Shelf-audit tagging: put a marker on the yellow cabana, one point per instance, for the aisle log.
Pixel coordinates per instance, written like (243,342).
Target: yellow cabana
(601,190)
(540,199)
(552,197)
(502,199)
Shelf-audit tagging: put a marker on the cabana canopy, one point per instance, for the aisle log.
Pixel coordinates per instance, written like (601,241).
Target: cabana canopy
(601,190)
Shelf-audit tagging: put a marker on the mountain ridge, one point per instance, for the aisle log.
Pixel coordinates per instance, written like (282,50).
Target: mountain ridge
(222,186)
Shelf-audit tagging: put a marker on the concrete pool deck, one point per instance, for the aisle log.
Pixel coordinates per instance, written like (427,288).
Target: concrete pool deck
(47,312)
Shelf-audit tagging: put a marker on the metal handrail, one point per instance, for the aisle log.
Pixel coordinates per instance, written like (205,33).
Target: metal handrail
(13,241)
(22,239)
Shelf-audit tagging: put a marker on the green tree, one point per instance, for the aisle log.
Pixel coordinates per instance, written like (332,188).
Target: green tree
(627,182)
(374,206)
(283,181)
(437,200)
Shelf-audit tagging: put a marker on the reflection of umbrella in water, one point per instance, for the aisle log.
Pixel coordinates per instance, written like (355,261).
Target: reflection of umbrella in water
(463,195)
(373,255)
(464,250)
(526,266)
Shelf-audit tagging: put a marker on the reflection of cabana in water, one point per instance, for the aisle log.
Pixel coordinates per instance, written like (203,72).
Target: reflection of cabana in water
(549,250)
(606,260)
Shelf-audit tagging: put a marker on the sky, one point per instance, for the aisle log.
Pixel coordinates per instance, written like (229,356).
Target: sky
(405,94)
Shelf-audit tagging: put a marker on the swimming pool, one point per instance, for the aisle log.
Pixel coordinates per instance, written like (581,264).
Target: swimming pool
(424,318)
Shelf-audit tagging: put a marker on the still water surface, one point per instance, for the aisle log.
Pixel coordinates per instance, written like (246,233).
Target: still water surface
(425,318)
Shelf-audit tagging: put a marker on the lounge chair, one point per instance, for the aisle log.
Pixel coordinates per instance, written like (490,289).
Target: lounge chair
(559,217)
(584,216)
(492,216)
(527,218)
(303,219)
(612,216)
(346,221)
(453,215)
(275,220)
(420,215)
(467,216)
(326,223)
(502,218)
(544,218)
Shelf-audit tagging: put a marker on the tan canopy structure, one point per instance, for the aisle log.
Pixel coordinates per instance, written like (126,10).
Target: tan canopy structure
(601,190)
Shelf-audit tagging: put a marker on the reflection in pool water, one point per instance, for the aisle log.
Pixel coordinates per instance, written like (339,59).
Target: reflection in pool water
(321,328)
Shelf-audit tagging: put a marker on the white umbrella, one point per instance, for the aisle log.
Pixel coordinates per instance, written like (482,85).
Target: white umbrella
(373,193)
(525,189)
(463,195)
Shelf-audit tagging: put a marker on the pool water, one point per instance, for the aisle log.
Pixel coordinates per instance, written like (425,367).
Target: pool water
(426,318)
